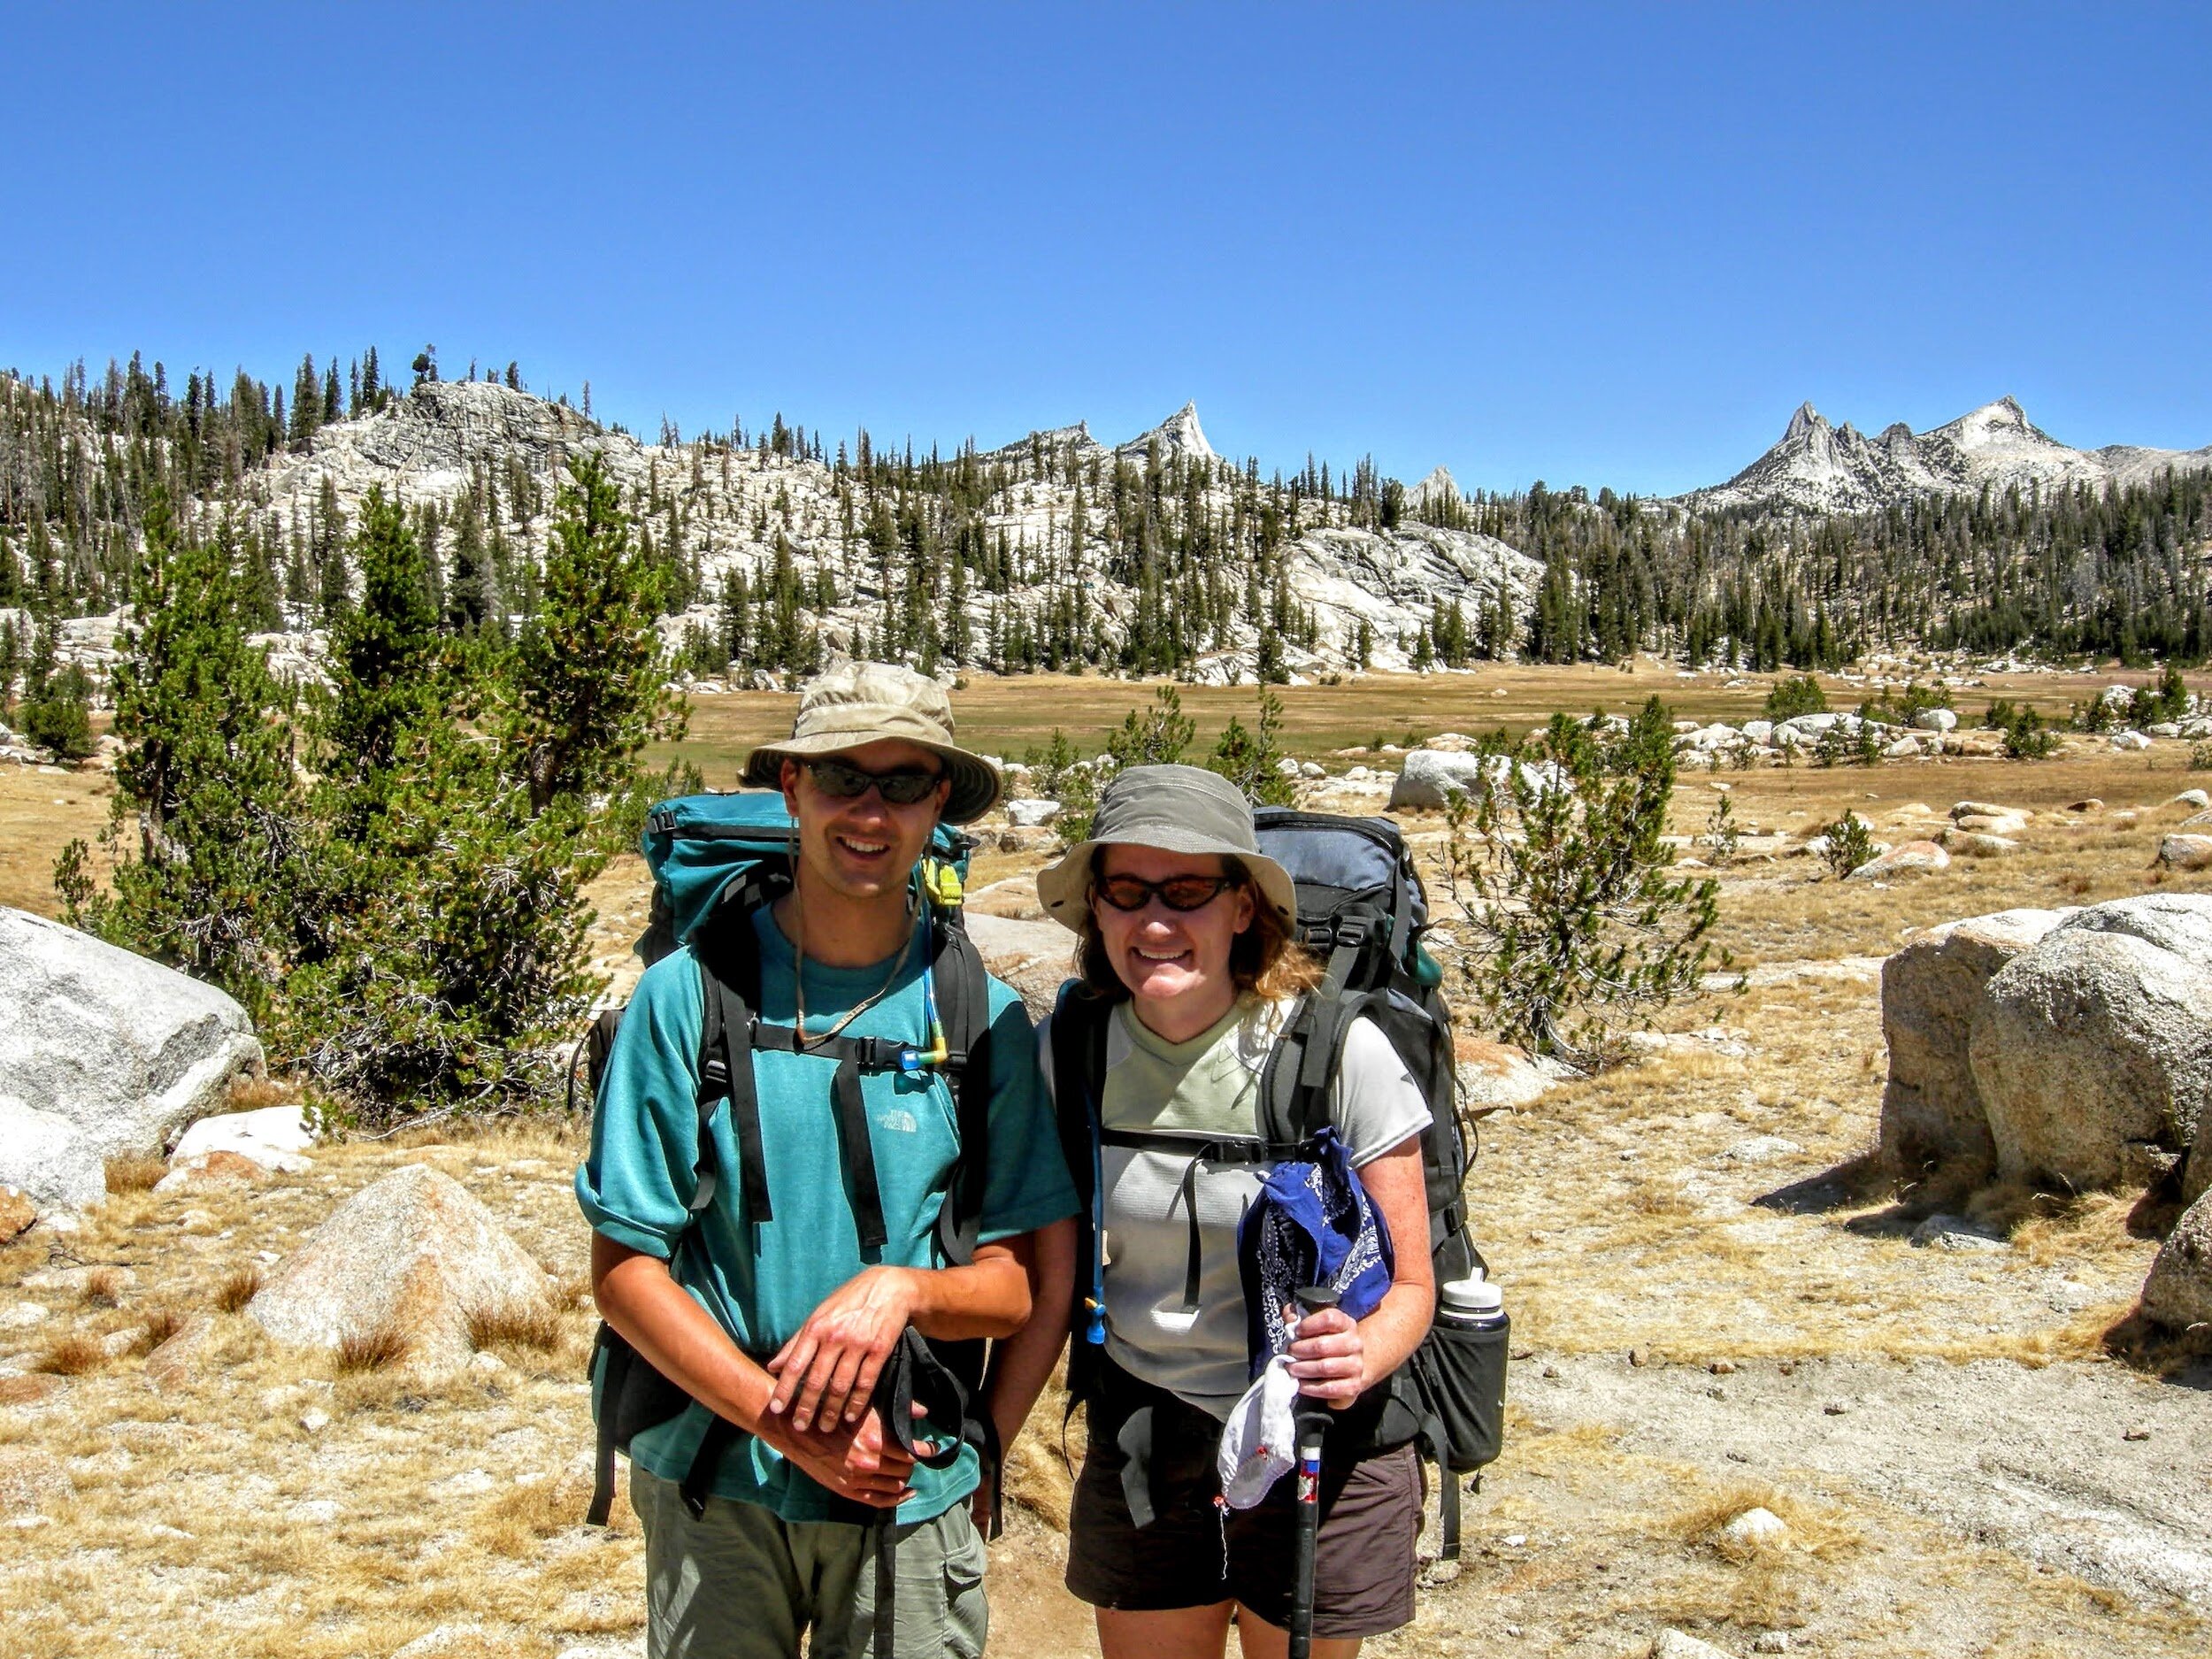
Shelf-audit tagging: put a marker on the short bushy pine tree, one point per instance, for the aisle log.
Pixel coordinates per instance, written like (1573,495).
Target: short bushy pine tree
(1582,934)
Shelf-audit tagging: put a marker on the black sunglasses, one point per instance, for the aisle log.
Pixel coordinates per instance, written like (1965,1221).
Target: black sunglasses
(1178,893)
(901,786)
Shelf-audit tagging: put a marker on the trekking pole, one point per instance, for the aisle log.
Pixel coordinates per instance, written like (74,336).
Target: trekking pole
(1313,1424)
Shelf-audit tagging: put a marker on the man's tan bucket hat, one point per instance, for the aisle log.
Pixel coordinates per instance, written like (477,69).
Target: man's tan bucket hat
(851,704)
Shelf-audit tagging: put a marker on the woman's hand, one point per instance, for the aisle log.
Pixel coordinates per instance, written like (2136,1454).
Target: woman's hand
(828,1372)
(1327,1356)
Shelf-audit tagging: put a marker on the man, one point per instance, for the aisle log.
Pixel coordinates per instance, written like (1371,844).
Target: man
(781,1327)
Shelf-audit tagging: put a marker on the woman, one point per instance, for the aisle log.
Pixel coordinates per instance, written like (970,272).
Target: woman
(1187,931)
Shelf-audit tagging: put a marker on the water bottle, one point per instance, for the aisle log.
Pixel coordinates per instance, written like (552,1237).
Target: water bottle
(1471,1305)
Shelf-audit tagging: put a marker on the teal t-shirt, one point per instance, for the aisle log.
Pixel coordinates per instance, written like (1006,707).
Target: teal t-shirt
(762,1279)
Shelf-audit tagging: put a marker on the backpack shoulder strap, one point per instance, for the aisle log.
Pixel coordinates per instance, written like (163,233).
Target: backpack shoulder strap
(962,990)
(1303,1063)
(1079,1070)
(729,979)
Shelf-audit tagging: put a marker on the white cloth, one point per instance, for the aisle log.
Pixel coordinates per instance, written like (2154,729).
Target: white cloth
(1259,1443)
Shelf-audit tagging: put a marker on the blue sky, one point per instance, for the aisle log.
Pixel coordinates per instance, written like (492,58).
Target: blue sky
(1607,245)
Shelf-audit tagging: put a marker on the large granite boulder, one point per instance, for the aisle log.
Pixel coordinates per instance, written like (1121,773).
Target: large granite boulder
(123,1050)
(2098,1037)
(413,1254)
(1034,957)
(1933,1120)
(2178,1292)
(44,1156)
(1428,778)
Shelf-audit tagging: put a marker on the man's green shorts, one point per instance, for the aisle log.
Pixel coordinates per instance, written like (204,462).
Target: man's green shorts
(742,1583)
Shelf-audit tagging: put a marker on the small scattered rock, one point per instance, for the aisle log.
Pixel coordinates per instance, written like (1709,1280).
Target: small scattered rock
(1640,1356)
(2135,1434)
(314,1419)
(2089,804)
(317,1512)
(2195,800)
(1971,844)
(1956,1233)
(1672,1644)
(1759,1526)
(1032,814)
(1834,1408)
(1771,1641)
(1722,1367)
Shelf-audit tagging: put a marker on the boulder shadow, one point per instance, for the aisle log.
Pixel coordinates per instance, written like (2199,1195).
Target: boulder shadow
(2182,1359)
(1843,1186)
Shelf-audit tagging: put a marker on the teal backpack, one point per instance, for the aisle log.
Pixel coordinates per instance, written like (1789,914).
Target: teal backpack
(714,859)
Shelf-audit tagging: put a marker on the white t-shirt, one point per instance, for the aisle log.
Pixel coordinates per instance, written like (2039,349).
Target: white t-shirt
(1209,1087)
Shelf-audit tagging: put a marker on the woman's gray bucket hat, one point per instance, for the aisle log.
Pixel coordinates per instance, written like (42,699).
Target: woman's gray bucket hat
(850,705)
(1176,809)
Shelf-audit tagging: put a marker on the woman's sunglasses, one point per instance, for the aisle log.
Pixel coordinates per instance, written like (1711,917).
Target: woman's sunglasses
(1178,893)
(901,786)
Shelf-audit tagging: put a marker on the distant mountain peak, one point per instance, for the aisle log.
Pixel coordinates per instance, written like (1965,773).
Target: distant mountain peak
(1819,468)
(1178,435)
(1440,485)
(1805,422)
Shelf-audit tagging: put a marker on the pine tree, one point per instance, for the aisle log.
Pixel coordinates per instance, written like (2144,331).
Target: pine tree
(386,659)
(204,788)
(588,690)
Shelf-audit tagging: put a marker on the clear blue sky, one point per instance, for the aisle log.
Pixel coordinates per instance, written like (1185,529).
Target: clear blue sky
(1608,245)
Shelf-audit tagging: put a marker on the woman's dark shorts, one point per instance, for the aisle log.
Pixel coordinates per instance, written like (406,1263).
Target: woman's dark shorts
(1197,1552)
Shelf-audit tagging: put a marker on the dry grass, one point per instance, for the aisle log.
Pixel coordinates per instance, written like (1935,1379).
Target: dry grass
(250,1093)
(136,1173)
(383,1348)
(102,1288)
(1815,1529)
(73,1356)
(537,1325)
(239,1286)
(39,813)
(1005,715)
(161,1324)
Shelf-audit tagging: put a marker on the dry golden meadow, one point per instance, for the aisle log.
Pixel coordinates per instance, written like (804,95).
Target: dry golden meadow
(258,1500)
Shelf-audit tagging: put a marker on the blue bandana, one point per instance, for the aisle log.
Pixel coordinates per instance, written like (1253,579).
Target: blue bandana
(1311,1224)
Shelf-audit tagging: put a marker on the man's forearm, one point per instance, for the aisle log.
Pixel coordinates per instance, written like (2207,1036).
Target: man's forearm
(679,1338)
(988,1297)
